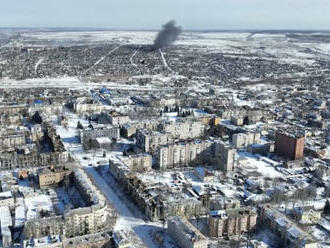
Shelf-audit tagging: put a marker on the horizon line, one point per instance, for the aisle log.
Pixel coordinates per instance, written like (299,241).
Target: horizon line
(72,29)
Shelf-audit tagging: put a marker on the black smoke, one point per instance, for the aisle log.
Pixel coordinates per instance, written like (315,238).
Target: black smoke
(167,35)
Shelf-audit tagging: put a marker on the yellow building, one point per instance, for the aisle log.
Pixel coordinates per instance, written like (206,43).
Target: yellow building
(306,215)
(216,121)
(52,176)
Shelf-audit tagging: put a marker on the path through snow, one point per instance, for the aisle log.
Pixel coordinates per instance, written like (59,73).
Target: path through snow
(101,59)
(133,55)
(37,64)
(164,60)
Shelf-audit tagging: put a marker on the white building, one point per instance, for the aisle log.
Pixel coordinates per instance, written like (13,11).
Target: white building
(183,153)
(150,140)
(7,199)
(186,129)
(5,222)
(225,155)
(241,140)
(118,120)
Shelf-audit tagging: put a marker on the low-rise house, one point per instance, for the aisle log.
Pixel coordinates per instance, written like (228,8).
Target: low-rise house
(102,143)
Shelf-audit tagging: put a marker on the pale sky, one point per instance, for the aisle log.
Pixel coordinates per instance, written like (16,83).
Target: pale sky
(151,14)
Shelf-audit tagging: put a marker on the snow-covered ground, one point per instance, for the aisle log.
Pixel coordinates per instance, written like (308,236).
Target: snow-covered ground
(36,204)
(265,45)
(254,163)
(76,83)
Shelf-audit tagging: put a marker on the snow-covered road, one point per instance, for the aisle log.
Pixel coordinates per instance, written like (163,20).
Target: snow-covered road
(164,60)
(133,55)
(129,217)
(37,64)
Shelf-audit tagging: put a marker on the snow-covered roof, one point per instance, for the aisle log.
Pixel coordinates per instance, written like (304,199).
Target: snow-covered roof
(294,232)
(6,194)
(5,217)
(103,140)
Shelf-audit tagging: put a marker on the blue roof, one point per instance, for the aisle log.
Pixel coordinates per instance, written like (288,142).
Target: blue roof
(38,101)
(105,91)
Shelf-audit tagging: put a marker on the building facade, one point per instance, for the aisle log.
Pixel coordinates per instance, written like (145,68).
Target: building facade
(183,153)
(95,217)
(89,136)
(12,160)
(185,234)
(118,119)
(149,140)
(52,176)
(138,162)
(225,156)
(184,129)
(290,146)
(231,221)
(241,140)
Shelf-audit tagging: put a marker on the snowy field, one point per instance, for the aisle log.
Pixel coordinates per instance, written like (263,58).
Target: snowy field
(76,83)
(267,45)
(66,82)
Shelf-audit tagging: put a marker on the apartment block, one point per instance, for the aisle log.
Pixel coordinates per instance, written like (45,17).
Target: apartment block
(231,221)
(185,234)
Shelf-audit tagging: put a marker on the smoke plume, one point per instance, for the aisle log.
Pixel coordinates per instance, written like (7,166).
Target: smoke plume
(167,35)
